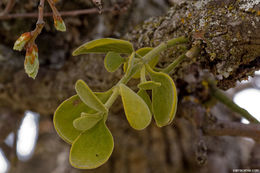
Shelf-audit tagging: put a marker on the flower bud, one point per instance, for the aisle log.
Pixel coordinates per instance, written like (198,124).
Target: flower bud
(31,62)
(59,24)
(21,41)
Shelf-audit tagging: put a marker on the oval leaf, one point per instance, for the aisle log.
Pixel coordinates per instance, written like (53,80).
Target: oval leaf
(88,97)
(105,45)
(92,148)
(87,121)
(143,94)
(113,61)
(136,110)
(148,85)
(71,109)
(164,98)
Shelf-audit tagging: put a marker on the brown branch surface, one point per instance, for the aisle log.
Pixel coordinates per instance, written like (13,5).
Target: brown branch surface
(116,8)
(223,128)
(8,8)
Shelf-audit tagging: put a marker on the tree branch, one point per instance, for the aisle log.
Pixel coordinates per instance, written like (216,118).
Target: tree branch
(8,8)
(116,8)
(222,128)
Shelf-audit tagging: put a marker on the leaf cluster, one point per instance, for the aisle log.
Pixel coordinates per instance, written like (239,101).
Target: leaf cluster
(81,119)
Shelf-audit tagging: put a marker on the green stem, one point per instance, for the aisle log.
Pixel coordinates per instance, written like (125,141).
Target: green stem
(174,64)
(163,46)
(133,67)
(142,75)
(220,96)
(112,98)
(123,80)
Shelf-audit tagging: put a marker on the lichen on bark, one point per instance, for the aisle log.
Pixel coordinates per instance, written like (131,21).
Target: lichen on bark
(228,31)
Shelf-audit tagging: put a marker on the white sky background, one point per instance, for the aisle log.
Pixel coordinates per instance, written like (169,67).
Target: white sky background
(27,137)
(28,132)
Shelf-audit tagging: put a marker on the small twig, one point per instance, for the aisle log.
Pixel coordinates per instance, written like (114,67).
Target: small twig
(220,96)
(56,13)
(222,128)
(62,13)
(39,24)
(8,7)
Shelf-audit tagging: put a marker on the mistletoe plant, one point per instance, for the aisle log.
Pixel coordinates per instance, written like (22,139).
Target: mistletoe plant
(81,119)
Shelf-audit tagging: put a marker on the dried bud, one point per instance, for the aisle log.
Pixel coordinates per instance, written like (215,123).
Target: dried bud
(59,24)
(21,41)
(31,62)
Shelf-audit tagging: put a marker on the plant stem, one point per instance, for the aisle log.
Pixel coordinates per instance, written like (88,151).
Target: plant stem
(163,46)
(174,64)
(112,98)
(220,96)
(56,13)
(133,67)
(142,75)
(39,24)
(124,80)
(193,52)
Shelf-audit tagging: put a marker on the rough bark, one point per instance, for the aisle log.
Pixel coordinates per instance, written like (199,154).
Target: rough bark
(229,35)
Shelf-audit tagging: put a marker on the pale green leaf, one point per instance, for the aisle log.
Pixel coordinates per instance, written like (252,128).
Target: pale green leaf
(136,110)
(143,94)
(164,98)
(71,109)
(87,121)
(113,61)
(88,97)
(148,85)
(105,45)
(92,148)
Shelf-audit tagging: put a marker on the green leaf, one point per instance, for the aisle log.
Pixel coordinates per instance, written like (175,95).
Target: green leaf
(164,98)
(71,109)
(148,85)
(88,97)
(143,94)
(105,45)
(92,148)
(136,110)
(113,61)
(87,121)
